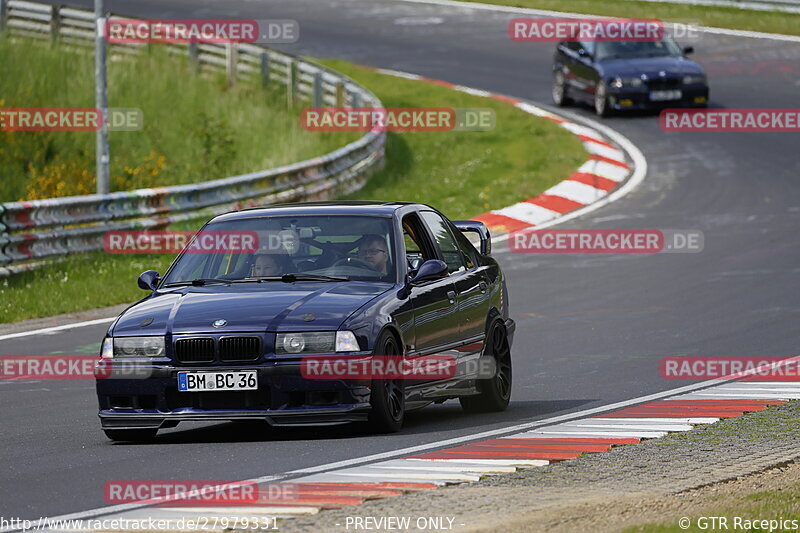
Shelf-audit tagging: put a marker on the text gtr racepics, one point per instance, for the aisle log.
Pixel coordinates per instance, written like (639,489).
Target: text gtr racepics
(341,312)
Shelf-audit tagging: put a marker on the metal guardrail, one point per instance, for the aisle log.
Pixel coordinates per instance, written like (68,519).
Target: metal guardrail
(39,229)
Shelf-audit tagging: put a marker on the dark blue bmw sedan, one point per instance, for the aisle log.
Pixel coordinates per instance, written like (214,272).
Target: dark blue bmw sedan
(225,334)
(614,76)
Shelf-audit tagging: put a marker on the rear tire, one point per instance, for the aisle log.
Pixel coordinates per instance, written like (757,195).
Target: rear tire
(387,396)
(130,435)
(495,392)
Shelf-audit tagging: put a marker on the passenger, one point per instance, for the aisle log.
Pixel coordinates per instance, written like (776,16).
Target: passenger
(270,265)
(374,251)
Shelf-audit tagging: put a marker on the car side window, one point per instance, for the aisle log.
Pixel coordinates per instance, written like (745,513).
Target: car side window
(445,241)
(414,241)
(467,250)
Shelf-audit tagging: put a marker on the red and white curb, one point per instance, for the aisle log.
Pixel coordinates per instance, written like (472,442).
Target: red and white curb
(471,461)
(604,171)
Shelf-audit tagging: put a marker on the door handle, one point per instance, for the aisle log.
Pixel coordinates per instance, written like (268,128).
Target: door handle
(451,295)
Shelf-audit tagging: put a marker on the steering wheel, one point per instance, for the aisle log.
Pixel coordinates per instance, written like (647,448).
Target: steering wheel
(352,261)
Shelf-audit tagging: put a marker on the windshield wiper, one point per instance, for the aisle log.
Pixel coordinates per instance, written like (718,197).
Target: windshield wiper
(289,278)
(199,282)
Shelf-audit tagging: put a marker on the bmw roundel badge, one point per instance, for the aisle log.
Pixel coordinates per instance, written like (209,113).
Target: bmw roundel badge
(219,323)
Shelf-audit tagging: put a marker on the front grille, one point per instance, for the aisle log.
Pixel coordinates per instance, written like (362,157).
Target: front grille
(239,349)
(200,350)
(660,84)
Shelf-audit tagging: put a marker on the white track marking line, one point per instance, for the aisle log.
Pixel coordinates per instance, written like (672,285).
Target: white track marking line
(399,74)
(371,472)
(449,466)
(507,462)
(474,92)
(695,420)
(621,425)
(577,432)
(54,329)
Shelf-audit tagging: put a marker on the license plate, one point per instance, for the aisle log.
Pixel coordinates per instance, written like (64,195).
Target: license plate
(661,96)
(217,381)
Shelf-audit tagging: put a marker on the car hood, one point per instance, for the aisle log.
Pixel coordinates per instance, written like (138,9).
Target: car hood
(274,306)
(652,67)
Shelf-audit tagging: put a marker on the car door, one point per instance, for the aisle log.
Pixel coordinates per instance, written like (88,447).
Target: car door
(434,303)
(580,75)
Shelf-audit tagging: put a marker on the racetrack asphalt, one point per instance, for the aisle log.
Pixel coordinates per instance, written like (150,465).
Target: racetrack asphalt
(591,329)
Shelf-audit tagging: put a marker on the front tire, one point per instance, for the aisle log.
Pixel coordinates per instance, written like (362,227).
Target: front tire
(387,396)
(130,435)
(559,91)
(601,106)
(495,392)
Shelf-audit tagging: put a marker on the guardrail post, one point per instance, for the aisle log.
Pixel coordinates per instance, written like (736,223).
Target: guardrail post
(3,16)
(232,57)
(194,56)
(291,82)
(264,68)
(55,24)
(317,100)
(340,94)
(355,99)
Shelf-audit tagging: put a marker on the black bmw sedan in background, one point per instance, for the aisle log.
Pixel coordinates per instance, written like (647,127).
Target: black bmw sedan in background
(614,76)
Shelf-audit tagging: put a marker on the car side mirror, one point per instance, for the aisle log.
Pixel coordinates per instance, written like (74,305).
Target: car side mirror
(583,52)
(428,271)
(473,226)
(688,50)
(148,280)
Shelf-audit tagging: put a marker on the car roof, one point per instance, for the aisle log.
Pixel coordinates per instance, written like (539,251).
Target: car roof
(318,208)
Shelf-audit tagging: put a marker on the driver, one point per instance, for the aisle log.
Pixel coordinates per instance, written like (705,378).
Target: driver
(374,251)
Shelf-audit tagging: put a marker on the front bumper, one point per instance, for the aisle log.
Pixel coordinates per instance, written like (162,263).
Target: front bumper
(284,398)
(639,98)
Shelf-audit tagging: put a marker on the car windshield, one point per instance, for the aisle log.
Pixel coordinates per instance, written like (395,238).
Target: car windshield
(628,50)
(288,248)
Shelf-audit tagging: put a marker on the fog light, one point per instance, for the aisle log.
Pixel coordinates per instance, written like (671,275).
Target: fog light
(626,102)
(700,99)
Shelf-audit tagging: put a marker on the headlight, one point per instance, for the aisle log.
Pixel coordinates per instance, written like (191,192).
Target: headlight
(139,347)
(619,83)
(315,342)
(691,80)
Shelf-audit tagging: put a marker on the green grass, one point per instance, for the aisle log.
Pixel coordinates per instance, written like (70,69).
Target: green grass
(462,173)
(465,173)
(84,281)
(765,505)
(719,17)
(196,128)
